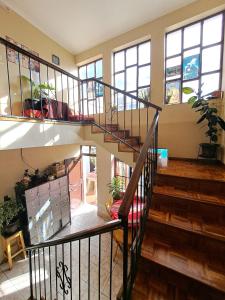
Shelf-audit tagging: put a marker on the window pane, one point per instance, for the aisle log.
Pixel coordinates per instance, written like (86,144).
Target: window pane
(211,59)
(91,70)
(191,64)
(173,68)
(82,72)
(144,76)
(131,103)
(192,84)
(144,53)
(173,43)
(84,91)
(131,79)
(210,83)
(131,56)
(91,107)
(120,100)
(173,92)
(119,61)
(119,81)
(192,35)
(212,30)
(85,149)
(99,68)
(93,150)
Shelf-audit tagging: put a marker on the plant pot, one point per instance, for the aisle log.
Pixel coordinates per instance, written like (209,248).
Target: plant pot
(208,151)
(11,228)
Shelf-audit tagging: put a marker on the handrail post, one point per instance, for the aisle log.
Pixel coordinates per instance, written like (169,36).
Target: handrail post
(125,259)
(31,276)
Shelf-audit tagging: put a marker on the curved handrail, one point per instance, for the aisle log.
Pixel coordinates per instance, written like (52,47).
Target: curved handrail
(148,104)
(132,185)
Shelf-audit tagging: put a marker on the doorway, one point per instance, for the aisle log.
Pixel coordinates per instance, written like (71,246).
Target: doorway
(89,174)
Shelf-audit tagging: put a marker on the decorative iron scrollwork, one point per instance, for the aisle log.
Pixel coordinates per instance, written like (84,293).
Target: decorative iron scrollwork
(65,280)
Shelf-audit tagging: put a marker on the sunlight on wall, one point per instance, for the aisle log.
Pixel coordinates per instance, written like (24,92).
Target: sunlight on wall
(14,134)
(53,141)
(45,127)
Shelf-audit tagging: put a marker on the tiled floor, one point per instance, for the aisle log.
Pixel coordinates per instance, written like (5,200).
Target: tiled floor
(14,284)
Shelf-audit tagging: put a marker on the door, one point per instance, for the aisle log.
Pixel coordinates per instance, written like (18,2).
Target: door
(73,168)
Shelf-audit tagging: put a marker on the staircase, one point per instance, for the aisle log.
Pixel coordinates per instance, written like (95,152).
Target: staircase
(183,252)
(118,141)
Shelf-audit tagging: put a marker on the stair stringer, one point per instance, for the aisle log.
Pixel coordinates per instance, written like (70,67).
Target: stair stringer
(98,139)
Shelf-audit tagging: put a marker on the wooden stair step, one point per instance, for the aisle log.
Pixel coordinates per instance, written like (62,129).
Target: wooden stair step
(196,257)
(196,225)
(109,127)
(124,148)
(155,282)
(120,133)
(194,169)
(171,191)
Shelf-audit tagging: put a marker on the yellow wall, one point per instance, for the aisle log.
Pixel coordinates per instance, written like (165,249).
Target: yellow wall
(24,33)
(12,165)
(177,128)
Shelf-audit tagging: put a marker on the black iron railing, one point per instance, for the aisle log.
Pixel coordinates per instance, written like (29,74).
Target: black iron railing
(48,92)
(78,266)
(82,263)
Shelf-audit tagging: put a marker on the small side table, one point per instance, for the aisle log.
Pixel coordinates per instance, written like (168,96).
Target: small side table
(8,242)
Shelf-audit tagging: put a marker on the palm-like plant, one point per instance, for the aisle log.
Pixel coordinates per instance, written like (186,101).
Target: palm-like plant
(208,113)
(116,187)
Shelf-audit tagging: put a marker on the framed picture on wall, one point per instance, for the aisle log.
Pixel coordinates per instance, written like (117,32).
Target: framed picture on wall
(55,60)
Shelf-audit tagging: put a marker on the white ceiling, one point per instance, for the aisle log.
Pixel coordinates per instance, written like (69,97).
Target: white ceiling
(78,25)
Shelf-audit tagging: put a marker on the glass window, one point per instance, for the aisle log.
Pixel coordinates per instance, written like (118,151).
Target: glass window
(194,59)
(131,72)
(91,93)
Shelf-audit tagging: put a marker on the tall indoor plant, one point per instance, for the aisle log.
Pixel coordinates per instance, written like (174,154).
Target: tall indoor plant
(116,187)
(209,115)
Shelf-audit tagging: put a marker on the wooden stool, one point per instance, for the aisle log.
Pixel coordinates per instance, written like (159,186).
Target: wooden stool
(8,242)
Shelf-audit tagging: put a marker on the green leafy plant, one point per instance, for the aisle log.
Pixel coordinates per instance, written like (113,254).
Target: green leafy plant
(201,104)
(9,210)
(116,187)
(38,90)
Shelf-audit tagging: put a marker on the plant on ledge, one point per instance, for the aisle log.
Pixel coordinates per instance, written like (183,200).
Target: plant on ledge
(116,187)
(208,113)
(39,91)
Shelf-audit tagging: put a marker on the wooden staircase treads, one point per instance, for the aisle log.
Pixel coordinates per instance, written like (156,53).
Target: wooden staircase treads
(109,127)
(171,191)
(195,257)
(120,133)
(192,225)
(195,170)
(125,148)
(154,282)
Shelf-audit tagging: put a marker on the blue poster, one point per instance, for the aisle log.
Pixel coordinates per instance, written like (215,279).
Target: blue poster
(191,66)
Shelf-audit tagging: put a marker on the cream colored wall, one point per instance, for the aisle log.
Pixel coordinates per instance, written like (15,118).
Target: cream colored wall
(177,128)
(24,33)
(12,165)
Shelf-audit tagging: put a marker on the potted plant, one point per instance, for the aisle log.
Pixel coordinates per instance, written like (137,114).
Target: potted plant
(9,210)
(209,114)
(39,91)
(116,187)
